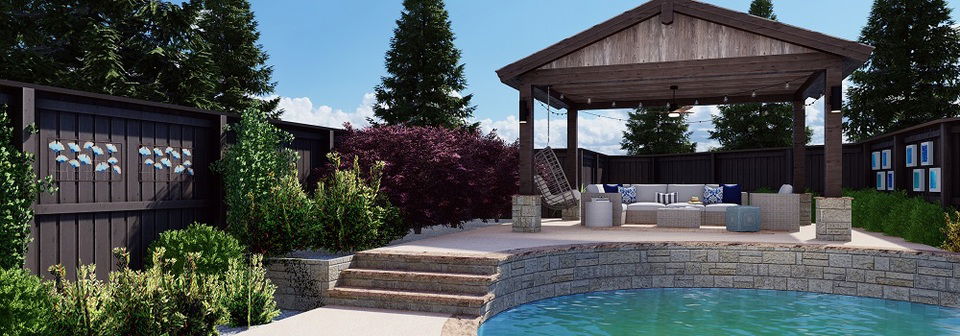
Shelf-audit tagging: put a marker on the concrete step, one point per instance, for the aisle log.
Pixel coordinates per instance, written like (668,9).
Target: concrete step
(444,283)
(408,300)
(417,262)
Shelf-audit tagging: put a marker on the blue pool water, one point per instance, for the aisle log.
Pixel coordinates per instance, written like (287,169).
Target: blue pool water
(721,312)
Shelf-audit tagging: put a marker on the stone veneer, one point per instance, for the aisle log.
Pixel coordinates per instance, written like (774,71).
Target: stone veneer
(571,213)
(526,213)
(302,283)
(535,274)
(834,218)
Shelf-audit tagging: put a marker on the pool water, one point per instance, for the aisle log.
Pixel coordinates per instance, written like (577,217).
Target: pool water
(721,312)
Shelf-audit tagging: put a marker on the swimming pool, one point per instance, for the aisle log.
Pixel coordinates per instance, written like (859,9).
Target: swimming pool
(712,311)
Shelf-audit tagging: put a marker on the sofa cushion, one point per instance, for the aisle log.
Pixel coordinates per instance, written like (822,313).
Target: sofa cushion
(732,194)
(611,188)
(712,195)
(785,189)
(594,189)
(686,191)
(644,206)
(719,207)
(648,192)
(628,194)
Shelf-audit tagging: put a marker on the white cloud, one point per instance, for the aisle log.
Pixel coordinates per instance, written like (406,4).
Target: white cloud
(302,110)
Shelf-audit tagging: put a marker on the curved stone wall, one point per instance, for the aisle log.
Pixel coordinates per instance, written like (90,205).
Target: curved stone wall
(535,274)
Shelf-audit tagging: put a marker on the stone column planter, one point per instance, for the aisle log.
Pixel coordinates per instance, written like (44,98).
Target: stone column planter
(302,283)
(526,213)
(834,218)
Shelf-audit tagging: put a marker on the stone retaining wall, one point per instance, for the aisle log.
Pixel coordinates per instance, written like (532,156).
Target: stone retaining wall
(302,283)
(530,275)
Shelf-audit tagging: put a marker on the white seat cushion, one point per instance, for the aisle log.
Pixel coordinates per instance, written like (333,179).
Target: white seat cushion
(594,188)
(648,192)
(719,207)
(684,205)
(642,206)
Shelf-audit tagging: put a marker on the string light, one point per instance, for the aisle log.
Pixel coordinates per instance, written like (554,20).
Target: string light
(726,99)
(787,86)
(614,104)
(589,101)
(561,96)
(753,94)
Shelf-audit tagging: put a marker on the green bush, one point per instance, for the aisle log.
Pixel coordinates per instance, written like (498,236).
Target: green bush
(25,304)
(896,214)
(952,232)
(258,174)
(80,305)
(18,188)
(216,248)
(352,213)
(249,294)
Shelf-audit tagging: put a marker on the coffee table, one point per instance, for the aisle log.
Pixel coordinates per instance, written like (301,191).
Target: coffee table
(686,217)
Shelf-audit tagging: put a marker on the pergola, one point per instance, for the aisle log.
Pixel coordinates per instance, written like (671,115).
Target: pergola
(683,52)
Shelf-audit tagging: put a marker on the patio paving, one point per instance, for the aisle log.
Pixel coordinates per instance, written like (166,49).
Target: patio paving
(333,320)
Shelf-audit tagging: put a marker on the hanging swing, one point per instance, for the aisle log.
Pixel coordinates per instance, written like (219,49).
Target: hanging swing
(550,179)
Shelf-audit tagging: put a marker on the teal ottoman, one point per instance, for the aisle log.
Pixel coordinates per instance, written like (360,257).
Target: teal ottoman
(743,219)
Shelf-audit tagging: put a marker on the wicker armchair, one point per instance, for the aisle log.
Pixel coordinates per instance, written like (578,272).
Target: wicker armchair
(614,198)
(782,212)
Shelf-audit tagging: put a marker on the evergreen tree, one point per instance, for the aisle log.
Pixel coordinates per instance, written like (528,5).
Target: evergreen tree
(912,76)
(425,78)
(755,125)
(200,53)
(653,131)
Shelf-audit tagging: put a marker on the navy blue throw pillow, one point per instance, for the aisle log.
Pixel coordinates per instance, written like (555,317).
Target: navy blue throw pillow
(731,193)
(611,188)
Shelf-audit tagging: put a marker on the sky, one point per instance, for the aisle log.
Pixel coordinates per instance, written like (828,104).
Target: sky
(328,55)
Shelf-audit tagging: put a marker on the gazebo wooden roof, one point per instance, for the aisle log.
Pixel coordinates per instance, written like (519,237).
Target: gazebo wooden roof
(687,53)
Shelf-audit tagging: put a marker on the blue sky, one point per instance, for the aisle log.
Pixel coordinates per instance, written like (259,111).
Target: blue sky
(328,55)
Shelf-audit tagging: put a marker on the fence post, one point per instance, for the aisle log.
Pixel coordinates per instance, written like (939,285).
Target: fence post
(220,201)
(946,165)
(899,162)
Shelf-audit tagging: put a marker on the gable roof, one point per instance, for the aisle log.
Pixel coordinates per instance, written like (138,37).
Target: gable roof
(853,53)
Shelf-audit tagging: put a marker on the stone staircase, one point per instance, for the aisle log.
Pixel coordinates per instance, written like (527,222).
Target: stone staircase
(458,285)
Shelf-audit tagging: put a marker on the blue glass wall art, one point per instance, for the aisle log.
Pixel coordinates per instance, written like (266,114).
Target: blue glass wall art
(875,160)
(85,159)
(116,170)
(144,151)
(881,181)
(62,158)
(186,152)
(934,182)
(102,167)
(74,147)
(926,153)
(111,148)
(55,146)
(885,157)
(97,151)
(910,154)
(890,182)
(148,162)
(919,179)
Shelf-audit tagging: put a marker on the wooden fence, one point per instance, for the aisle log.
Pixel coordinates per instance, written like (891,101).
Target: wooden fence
(126,170)
(770,168)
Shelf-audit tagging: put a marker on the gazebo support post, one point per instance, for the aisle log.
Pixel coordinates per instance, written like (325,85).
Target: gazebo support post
(571,167)
(799,146)
(526,205)
(834,215)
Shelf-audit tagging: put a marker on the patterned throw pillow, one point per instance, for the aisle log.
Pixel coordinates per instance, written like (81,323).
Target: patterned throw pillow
(712,195)
(628,195)
(667,198)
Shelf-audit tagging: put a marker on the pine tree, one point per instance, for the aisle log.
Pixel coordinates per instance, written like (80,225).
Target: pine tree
(653,131)
(755,125)
(425,78)
(912,76)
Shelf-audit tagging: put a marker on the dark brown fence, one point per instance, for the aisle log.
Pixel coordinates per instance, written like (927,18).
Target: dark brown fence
(126,170)
(770,168)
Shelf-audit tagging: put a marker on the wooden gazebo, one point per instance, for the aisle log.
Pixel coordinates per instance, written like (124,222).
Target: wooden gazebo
(683,52)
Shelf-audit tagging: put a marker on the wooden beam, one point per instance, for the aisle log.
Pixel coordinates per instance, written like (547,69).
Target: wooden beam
(572,166)
(833,135)
(796,80)
(799,146)
(680,69)
(526,140)
(666,12)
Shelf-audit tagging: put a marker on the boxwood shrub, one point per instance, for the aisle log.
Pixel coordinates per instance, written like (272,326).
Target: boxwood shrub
(897,214)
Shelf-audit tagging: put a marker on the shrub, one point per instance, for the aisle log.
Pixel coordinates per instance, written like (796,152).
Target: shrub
(25,304)
(216,248)
(896,214)
(285,219)
(951,231)
(79,307)
(157,301)
(352,213)
(248,293)
(255,168)
(438,176)
(18,188)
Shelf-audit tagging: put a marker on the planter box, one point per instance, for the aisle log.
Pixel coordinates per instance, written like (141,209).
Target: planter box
(302,283)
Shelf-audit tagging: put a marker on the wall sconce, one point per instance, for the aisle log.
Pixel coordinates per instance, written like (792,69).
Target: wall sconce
(524,113)
(836,99)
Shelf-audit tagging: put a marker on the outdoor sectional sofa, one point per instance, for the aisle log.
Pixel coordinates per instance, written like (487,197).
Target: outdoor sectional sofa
(778,212)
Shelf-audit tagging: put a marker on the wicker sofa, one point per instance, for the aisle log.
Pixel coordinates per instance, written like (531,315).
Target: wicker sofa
(644,211)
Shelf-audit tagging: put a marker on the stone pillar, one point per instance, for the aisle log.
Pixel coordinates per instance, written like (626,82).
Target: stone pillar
(834,221)
(526,213)
(571,214)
